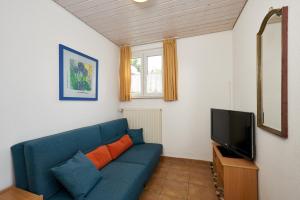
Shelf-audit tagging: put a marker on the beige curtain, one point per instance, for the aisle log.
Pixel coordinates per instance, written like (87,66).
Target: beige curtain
(125,73)
(170,70)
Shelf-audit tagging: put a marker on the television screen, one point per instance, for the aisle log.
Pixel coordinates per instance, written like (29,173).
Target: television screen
(234,130)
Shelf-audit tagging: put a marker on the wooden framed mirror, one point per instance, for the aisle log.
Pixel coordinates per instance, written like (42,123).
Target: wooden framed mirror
(272,72)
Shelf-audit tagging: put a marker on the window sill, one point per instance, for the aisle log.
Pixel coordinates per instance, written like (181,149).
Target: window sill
(147,97)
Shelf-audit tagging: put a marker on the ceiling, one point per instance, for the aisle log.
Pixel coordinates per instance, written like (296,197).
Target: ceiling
(126,22)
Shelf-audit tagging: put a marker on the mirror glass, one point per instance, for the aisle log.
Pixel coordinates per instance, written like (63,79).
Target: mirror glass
(271,72)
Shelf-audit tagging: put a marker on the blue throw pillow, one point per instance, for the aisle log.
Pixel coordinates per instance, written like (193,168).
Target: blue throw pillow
(136,135)
(78,175)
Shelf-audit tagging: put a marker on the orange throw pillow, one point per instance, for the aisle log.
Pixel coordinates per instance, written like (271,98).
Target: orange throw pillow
(127,141)
(100,156)
(118,147)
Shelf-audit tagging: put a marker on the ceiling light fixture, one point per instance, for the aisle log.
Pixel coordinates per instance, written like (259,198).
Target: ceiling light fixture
(140,1)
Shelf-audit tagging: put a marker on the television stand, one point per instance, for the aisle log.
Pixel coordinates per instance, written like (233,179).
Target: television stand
(228,153)
(237,176)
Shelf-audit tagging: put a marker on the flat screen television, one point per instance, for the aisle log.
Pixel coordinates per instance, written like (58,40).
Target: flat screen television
(235,131)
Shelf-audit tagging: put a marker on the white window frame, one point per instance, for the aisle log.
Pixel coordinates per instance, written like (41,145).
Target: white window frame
(144,54)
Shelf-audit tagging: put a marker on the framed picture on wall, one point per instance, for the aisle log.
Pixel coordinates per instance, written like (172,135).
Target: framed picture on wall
(78,75)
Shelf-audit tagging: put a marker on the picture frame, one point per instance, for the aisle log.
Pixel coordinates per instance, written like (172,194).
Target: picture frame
(78,75)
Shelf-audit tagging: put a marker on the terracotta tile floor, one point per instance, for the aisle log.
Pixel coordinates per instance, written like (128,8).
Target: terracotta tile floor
(180,179)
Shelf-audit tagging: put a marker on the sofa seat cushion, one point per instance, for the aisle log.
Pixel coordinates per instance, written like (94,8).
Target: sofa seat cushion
(120,181)
(61,195)
(141,153)
(145,154)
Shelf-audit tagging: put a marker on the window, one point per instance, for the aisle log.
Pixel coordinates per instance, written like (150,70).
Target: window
(146,73)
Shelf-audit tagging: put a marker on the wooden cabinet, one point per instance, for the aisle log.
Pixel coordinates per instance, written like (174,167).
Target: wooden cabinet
(238,177)
(14,193)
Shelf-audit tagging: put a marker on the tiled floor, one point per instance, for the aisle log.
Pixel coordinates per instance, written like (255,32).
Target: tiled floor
(180,179)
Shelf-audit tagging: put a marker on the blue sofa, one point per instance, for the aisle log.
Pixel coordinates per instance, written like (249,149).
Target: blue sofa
(123,178)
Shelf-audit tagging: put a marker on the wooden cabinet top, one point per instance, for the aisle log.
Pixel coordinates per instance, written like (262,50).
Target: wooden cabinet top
(13,193)
(234,162)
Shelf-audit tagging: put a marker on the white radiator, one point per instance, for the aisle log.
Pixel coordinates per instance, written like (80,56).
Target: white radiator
(148,119)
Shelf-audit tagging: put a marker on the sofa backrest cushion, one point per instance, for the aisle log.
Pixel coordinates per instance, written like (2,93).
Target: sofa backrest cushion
(113,130)
(44,153)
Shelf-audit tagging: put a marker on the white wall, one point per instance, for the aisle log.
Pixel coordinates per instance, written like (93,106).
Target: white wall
(204,80)
(29,107)
(278,159)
